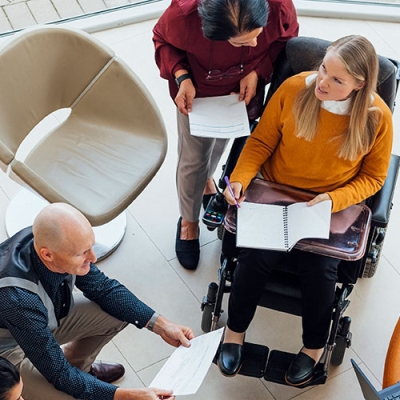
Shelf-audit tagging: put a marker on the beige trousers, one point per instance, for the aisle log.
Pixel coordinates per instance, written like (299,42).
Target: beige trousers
(197,160)
(84,332)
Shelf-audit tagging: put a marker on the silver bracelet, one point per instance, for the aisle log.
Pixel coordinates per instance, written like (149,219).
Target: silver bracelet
(152,321)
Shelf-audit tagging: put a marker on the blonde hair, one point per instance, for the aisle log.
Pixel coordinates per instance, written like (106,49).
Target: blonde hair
(360,60)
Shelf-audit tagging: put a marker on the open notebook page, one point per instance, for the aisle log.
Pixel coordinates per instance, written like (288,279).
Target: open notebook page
(309,222)
(275,227)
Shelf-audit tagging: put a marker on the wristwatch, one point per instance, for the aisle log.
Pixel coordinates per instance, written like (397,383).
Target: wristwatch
(150,325)
(182,78)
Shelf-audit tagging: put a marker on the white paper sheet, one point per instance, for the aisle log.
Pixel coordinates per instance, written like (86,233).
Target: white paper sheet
(222,117)
(187,367)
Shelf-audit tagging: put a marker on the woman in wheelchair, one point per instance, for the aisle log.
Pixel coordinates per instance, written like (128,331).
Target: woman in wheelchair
(328,132)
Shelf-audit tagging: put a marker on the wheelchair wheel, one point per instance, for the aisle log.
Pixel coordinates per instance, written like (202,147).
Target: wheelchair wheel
(207,306)
(370,268)
(220,232)
(338,351)
(374,253)
(342,341)
(206,318)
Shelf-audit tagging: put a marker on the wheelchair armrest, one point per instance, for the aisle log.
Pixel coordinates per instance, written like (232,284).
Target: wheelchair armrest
(381,202)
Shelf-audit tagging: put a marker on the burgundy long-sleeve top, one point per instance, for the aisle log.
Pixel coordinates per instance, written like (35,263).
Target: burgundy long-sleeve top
(180,44)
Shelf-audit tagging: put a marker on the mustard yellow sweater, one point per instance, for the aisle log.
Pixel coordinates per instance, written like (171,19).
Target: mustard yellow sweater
(275,151)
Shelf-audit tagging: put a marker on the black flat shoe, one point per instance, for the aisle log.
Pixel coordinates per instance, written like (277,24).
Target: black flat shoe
(230,359)
(206,199)
(301,370)
(187,251)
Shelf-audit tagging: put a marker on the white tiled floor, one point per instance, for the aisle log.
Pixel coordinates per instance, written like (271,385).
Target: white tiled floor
(146,263)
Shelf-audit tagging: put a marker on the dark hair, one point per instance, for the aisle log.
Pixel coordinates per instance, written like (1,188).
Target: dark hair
(226,19)
(9,377)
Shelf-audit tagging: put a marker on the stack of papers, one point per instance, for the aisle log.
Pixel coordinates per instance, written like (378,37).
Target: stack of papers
(222,117)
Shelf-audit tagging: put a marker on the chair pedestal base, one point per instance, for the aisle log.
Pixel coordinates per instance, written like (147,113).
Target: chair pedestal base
(25,205)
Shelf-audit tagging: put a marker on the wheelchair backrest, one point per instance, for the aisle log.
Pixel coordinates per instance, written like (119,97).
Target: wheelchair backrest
(306,53)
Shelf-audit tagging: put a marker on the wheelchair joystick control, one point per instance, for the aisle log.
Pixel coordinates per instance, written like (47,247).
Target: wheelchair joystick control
(215,212)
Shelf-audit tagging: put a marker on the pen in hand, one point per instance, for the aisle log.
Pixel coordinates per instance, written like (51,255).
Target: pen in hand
(231,191)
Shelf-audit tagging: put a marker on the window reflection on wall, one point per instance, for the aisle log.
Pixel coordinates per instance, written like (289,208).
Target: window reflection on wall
(19,14)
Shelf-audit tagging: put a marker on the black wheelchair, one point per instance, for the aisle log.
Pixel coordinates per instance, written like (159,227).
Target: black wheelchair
(282,291)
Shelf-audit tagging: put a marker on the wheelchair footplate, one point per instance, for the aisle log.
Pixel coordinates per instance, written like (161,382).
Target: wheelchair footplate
(254,359)
(278,364)
(260,362)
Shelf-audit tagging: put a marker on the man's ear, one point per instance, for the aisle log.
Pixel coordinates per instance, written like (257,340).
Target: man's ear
(46,254)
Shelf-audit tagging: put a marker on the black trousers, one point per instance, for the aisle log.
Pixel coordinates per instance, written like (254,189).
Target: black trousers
(318,276)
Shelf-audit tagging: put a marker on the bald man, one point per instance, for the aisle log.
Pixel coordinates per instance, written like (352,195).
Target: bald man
(39,312)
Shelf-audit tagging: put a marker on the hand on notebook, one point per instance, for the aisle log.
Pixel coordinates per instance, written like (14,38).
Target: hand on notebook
(237,190)
(318,199)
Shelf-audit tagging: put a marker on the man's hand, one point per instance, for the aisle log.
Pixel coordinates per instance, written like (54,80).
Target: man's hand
(237,189)
(248,86)
(143,394)
(185,96)
(173,334)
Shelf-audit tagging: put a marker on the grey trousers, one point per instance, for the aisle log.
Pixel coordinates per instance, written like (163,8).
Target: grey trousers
(86,329)
(197,160)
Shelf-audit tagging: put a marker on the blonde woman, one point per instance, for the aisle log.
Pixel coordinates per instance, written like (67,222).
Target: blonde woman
(328,132)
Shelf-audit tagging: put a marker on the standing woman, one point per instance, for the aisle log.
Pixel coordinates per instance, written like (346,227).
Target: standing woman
(208,48)
(10,381)
(328,132)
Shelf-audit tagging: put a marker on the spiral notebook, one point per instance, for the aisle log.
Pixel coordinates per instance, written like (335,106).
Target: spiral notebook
(280,227)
